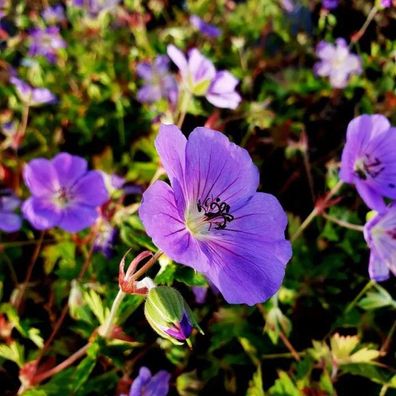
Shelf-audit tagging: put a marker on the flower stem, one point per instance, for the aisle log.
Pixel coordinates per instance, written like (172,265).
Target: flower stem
(316,210)
(65,309)
(36,253)
(184,102)
(114,308)
(343,223)
(368,286)
(358,35)
(66,363)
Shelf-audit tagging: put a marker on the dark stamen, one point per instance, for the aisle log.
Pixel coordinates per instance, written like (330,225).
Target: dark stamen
(216,212)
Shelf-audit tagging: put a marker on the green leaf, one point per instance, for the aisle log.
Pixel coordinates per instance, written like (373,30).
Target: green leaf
(13,352)
(283,386)
(377,299)
(256,384)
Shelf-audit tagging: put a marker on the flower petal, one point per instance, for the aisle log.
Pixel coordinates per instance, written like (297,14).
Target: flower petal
(163,223)
(228,100)
(200,67)
(383,148)
(41,177)
(9,203)
(378,269)
(90,190)
(370,197)
(159,384)
(178,59)
(9,222)
(360,131)
(215,167)
(69,168)
(248,258)
(171,147)
(41,213)
(76,217)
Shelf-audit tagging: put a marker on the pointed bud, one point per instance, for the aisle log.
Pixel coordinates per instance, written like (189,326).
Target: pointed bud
(169,315)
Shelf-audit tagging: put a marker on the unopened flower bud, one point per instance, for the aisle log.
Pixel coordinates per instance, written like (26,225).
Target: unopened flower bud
(169,315)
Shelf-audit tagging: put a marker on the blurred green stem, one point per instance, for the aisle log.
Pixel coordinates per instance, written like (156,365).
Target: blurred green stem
(357,36)
(368,286)
(184,103)
(316,211)
(343,223)
(29,272)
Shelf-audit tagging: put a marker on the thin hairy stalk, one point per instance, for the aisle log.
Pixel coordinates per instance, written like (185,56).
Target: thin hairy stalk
(368,286)
(29,272)
(359,34)
(66,363)
(343,223)
(316,211)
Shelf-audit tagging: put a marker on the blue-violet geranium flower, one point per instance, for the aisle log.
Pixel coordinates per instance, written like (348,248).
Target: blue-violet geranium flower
(380,235)
(205,28)
(30,95)
(200,78)
(212,219)
(46,42)
(146,384)
(336,62)
(158,82)
(64,193)
(9,221)
(369,159)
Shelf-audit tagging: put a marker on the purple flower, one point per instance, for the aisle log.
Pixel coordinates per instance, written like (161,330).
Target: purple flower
(380,235)
(150,385)
(330,4)
(336,62)
(32,96)
(53,15)
(200,293)
(46,42)
(158,82)
(64,193)
(9,221)
(212,219)
(200,77)
(205,28)
(95,7)
(369,159)
(105,238)
(386,3)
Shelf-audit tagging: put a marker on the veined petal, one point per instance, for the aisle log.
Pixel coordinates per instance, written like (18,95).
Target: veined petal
(76,217)
(383,148)
(41,213)
(171,147)
(163,223)
(69,168)
(370,197)
(90,190)
(248,258)
(200,67)
(378,270)
(41,177)
(215,167)
(359,133)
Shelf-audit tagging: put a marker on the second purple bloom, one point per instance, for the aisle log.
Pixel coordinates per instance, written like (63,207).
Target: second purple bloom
(64,193)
